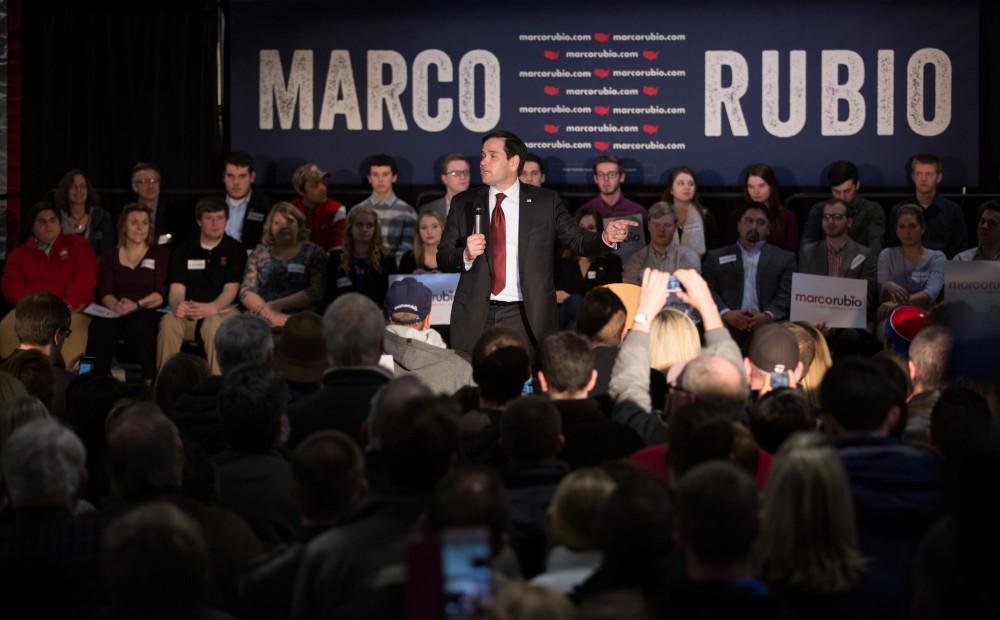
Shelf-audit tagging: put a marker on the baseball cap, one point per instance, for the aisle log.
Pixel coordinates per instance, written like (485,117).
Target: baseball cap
(903,325)
(408,295)
(307,173)
(772,345)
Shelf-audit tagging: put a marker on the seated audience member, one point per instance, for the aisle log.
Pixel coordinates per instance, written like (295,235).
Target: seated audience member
(246,208)
(699,432)
(751,280)
(423,257)
(575,276)
(132,284)
(157,565)
(673,340)
(960,423)
(455,176)
(146,464)
(205,277)
(773,351)
(364,264)
(867,225)
(501,366)
(760,186)
(601,320)
(814,355)
(945,224)
(245,339)
(35,371)
(611,204)
(42,545)
(518,600)
(254,477)
(177,378)
(695,225)
(716,524)
(286,273)
(392,397)
(43,323)
(778,415)
(928,362)
(325,217)
(533,172)
(531,436)
(300,354)
(419,445)
(80,214)
(898,490)
(572,525)
(353,330)
(416,348)
(987,234)
(52,262)
(836,254)
(328,476)
(566,374)
(809,542)
(171,222)
(909,274)
(397,219)
(662,253)
(16,412)
(634,534)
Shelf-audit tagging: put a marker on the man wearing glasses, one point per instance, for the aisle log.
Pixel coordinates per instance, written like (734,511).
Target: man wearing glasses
(609,174)
(456,176)
(171,225)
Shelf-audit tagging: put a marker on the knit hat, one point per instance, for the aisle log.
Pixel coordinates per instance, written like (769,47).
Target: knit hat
(773,345)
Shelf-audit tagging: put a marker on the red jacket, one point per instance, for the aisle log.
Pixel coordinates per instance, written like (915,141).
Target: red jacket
(69,271)
(326,224)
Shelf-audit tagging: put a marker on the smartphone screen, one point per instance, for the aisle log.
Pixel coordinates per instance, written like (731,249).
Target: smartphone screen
(465,567)
(86,365)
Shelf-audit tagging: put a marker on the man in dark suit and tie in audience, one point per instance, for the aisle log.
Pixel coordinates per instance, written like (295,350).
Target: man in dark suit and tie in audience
(506,264)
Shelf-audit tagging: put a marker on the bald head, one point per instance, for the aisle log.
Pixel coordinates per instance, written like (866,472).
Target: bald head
(710,376)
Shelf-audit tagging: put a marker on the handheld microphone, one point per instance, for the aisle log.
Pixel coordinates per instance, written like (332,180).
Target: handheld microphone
(477,224)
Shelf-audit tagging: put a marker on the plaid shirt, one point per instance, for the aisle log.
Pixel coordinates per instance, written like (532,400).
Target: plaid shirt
(398,221)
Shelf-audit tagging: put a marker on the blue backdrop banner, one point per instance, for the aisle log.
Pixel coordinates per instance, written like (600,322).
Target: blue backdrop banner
(716,86)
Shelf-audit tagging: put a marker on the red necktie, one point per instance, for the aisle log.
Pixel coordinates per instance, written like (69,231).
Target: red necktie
(498,239)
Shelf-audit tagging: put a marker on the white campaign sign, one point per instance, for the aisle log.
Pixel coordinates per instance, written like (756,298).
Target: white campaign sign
(975,282)
(838,302)
(442,287)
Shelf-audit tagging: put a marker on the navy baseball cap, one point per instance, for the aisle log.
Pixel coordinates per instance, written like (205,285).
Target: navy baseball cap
(410,296)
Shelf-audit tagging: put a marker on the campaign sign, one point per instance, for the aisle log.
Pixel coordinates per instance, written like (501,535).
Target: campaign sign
(976,282)
(442,287)
(838,302)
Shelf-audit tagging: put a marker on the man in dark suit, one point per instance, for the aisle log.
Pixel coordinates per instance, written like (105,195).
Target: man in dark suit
(247,208)
(171,222)
(750,280)
(511,285)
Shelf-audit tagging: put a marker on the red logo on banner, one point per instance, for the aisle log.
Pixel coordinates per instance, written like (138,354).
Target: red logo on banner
(552,129)
(650,90)
(601,37)
(647,54)
(602,110)
(602,146)
(601,73)
(551,91)
(651,129)
(551,55)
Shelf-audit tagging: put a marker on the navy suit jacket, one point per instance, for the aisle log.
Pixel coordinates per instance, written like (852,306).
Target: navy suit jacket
(543,221)
(774,279)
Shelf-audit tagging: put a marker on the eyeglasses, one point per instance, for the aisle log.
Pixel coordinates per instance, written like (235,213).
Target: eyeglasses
(147,181)
(833,217)
(607,176)
(458,173)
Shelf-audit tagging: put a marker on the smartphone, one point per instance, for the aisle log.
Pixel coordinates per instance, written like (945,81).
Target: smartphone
(779,379)
(86,365)
(674,285)
(466,577)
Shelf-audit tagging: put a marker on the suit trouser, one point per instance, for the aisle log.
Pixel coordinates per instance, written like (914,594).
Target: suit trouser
(174,332)
(72,349)
(512,316)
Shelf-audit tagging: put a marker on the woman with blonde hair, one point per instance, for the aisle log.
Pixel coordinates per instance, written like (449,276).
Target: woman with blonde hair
(572,520)
(364,264)
(815,357)
(808,548)
(518,600)
(673,339)
(286,272)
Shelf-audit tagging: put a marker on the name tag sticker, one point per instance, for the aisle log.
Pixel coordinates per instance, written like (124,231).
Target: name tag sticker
(693,227)
(296,268)
(860,258)
(591,275)
(148,263)
(163,239)
(343,282)
(728,258)
(255,216)
(920,276)
(198,264)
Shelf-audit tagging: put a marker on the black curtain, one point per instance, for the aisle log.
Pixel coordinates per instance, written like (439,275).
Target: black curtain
(108,84)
